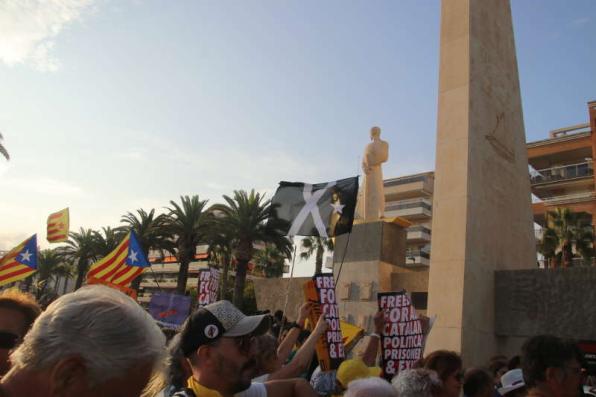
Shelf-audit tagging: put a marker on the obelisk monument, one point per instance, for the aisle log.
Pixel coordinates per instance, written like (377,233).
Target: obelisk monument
(482,217)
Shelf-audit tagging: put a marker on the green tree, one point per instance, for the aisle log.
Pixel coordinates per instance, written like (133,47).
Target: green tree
(80,250)
(152,233)
(270,261)
(316,245)
(3,150)
(48,263)
(245,217)
(220,251)
(188,222)
(108,239)
(566,235)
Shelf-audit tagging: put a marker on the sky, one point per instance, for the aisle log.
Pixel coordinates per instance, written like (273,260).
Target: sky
(107,106)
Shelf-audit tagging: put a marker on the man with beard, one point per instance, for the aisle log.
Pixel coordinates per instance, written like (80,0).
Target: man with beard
(218,342)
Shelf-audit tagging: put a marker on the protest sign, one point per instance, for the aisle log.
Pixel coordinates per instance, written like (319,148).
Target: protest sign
(329,348)
(208,286)
(403,337)
(169,310)
(128,291)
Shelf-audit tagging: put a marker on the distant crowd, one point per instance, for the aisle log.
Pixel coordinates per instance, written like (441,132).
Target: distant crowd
(97,341)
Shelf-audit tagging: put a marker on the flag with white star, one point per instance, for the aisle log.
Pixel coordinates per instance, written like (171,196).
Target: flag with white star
(20,262)
(321,209)
(122,265)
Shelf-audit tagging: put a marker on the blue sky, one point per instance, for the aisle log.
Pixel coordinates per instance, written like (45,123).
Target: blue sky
(109,106)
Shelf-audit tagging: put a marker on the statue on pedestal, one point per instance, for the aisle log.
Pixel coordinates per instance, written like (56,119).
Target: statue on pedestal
(373,196)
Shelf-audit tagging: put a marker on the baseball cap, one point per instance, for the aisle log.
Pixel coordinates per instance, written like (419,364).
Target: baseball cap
(511,380)
(222,318)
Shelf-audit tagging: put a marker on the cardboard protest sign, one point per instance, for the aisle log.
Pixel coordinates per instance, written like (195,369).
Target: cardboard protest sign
(403,337)
(329,348)
(208,286)
(169,310)
(128,291)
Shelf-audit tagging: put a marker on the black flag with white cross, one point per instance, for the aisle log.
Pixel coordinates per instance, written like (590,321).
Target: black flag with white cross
(322,209)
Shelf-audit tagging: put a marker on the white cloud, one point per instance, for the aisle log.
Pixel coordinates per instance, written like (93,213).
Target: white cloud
(578,22)
(41,186)
(28,29)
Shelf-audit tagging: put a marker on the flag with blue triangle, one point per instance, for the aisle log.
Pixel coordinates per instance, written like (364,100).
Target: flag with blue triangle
(20,262)
(122,265)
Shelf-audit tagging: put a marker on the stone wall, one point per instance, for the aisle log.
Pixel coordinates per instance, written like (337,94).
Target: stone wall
(271,294)
(561,302)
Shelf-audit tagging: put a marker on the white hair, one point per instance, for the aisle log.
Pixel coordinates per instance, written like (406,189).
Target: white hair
(419,382)
(107,329)
(370,387)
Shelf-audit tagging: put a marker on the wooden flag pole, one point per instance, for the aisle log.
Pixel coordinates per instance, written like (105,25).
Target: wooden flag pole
(283,317)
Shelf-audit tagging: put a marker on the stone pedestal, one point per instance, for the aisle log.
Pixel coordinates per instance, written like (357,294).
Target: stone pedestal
(375,251)
(482,217)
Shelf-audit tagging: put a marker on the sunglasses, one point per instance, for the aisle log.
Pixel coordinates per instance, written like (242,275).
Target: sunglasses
(8,340)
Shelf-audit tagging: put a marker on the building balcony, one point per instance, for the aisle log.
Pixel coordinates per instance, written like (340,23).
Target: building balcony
(410,186)
(417,258)
(150,282)
(418,234)
(559,174)
(412,209)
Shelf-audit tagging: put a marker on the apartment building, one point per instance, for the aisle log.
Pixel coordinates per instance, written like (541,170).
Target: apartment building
(562,169)
(411,197)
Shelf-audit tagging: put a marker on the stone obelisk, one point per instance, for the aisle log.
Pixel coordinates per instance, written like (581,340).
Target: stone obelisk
(482,217)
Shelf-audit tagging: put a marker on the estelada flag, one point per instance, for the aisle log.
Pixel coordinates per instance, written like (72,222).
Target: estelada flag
(20,262)
(122,265)
(322,209)
(58,224)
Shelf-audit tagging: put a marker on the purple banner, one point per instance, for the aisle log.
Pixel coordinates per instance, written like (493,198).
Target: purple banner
(169,310)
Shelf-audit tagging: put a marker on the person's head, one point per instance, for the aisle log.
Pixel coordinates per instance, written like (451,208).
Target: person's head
(552,363)
(218,340)
(478,383)
(93,342)
(375,132)
(514,362)
(497,366)
(512,384)
(266,354)
(417,382)
(370,387)
(448,365)
(350,370)
(18,310)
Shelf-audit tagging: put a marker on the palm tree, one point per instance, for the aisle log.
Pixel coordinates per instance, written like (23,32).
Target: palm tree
(48,263)
(64,271)
(220,250)
(316,245)
(270,260)
(3,150)
(188,222)
(108,239)
(151,232)
(567,232)
(245,217)
(80,250)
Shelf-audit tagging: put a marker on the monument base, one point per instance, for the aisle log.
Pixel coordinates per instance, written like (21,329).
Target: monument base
(373,261)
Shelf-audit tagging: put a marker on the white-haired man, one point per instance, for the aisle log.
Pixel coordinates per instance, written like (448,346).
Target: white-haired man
(93,342)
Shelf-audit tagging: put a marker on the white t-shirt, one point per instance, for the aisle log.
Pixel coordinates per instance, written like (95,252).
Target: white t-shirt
(255,390)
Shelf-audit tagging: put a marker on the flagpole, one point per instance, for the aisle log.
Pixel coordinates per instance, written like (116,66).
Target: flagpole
(283,317)
(342,258)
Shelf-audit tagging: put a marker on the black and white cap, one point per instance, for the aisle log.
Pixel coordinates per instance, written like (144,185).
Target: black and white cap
(218,319)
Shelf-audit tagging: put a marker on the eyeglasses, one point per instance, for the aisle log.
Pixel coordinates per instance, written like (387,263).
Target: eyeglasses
(8,340)
(244,343)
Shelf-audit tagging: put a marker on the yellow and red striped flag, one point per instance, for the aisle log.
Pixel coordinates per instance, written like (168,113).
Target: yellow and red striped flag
(58,224)
(122,265)
(20,262)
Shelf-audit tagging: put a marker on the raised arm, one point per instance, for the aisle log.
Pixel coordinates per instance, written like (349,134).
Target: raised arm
(285,347)
(369,355)
(302,359)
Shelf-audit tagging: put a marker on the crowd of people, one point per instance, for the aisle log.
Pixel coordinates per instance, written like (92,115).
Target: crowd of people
(97,341)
